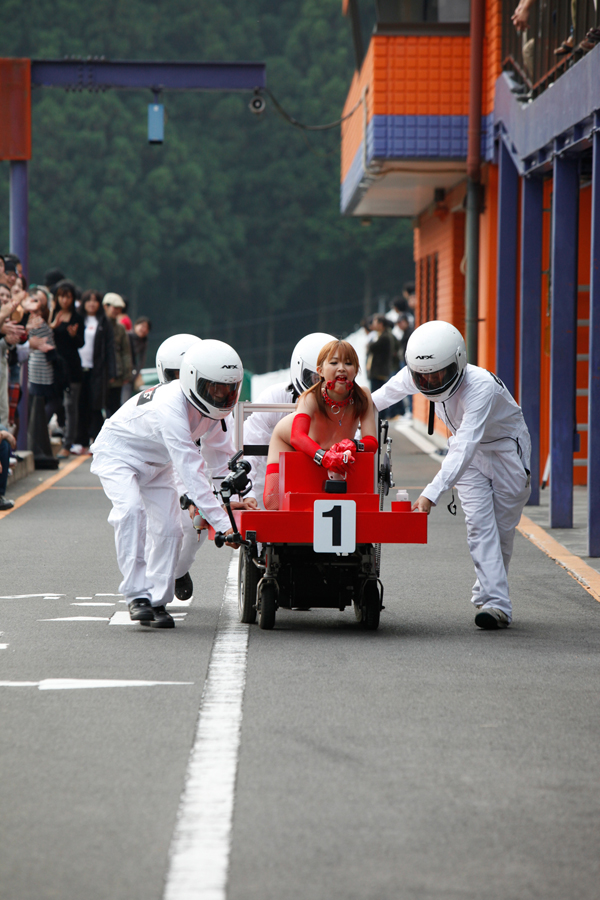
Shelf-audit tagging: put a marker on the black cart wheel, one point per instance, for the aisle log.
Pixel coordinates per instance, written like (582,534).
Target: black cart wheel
(370,606)
(248,578)
(267,605)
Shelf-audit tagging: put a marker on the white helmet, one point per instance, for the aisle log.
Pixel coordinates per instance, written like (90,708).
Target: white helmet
(303,365)
(436,356)
(169,356)
(211,377)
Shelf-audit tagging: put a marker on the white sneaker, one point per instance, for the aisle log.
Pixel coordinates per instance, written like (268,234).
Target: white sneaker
(491,619)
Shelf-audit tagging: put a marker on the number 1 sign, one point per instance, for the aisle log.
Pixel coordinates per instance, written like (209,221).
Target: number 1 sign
(334,526)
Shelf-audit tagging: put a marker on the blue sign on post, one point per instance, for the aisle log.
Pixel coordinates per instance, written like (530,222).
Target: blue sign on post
(156,123)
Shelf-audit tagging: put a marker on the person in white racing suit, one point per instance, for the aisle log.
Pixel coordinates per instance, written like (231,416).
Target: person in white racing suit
(488,456)
(134,456)
(168,363)
(259,427)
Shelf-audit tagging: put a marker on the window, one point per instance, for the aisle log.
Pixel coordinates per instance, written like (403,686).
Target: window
(427,288)
(403,11)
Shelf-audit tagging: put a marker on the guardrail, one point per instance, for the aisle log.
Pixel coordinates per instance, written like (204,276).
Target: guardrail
(556,37)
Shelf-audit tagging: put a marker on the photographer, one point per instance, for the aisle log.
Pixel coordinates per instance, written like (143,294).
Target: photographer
(135,455)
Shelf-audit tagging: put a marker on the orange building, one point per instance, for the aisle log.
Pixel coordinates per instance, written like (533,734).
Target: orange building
(405,153)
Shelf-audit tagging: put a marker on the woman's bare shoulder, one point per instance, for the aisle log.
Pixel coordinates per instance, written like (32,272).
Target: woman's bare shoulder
(284,425)
(307,404)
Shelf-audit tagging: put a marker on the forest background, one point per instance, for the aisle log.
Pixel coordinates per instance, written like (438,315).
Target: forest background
(231,229)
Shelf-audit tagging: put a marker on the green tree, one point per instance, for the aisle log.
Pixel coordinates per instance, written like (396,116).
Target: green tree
(231,228)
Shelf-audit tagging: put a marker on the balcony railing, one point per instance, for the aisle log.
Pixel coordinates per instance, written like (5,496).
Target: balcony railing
(558,34)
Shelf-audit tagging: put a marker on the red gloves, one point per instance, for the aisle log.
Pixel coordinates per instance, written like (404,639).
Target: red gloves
(338,457)
(299,437)
(336,461)
(370,444)
(344,445)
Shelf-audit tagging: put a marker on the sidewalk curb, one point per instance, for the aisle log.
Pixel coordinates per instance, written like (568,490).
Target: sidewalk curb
(588,577)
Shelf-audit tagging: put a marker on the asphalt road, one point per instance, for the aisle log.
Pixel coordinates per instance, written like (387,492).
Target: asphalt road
(426,760)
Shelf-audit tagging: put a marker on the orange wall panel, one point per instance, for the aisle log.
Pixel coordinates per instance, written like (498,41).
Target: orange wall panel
(353,128)
(492,53)
(15,109)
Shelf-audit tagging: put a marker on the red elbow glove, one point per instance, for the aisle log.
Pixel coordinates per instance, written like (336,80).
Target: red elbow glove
(367,444)
(370,444)
(299,437)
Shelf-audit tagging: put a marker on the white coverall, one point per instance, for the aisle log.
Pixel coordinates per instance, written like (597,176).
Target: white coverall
(488,461)
(135,456)
(258,429)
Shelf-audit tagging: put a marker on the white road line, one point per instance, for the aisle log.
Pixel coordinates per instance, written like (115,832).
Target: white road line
(3,646)
(108,595)
(92,604)
(77,619)
(71,684)
(27,596)
(122,617)
(200,849)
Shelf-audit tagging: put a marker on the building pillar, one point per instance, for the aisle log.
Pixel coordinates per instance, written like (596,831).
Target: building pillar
(532,203)
(506,292)
(19,212)
(563,351)
(19,244)
(594,363)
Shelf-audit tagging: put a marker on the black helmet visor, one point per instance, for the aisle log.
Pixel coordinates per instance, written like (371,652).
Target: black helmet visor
(217,394)
(433,383)
(308,377)
(170,375)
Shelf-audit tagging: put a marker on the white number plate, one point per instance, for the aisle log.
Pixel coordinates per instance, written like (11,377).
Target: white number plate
(334,526)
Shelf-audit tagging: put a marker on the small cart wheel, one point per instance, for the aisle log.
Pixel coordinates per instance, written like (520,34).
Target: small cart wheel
(248,578)
(267,605)
(371,606)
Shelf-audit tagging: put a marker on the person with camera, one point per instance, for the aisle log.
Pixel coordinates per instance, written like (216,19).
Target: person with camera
(152,435)
(488,455)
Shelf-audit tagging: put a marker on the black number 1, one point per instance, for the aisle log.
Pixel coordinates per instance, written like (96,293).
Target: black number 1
(335,513)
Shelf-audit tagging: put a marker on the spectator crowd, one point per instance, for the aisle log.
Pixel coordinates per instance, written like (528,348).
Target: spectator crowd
(72,357)
(387,337)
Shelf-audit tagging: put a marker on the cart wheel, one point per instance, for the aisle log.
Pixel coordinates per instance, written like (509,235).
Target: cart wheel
(371,606)
(248,578)
(267,606)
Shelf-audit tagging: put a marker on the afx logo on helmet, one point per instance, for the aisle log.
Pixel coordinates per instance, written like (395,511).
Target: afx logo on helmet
(211,390)
(438,374)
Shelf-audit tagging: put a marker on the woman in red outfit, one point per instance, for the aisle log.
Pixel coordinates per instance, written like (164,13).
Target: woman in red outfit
(326,420)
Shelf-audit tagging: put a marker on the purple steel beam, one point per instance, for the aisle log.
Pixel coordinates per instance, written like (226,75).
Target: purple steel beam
(594,363)
(506,305)
(565,210)
(19,216)
(532,202)
(100,74)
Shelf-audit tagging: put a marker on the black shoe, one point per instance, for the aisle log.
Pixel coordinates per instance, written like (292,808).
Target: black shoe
(8,504)
(162,619)
(46,462)
(491,619)
(140,611)
(184,587)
